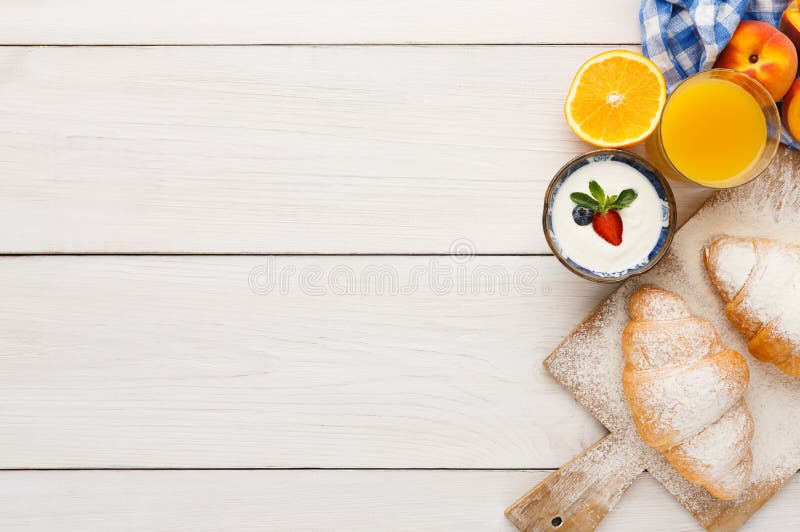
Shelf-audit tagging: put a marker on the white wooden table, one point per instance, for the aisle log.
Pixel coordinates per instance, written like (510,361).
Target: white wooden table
(161,161)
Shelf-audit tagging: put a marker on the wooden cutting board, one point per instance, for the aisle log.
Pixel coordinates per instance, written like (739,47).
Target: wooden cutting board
(589,363)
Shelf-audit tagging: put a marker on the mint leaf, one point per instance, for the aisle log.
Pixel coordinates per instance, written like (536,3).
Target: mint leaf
(626,197)
(585,200)
(597,192)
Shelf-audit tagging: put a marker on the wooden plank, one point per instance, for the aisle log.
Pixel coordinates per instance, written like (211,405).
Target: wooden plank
(189,362)
(282,149)
(310,501)
(318,21)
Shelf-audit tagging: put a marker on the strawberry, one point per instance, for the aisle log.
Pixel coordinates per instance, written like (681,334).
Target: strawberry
(609,226)
(606,222)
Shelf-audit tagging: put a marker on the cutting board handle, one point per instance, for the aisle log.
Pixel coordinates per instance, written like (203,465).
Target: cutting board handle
(579,495)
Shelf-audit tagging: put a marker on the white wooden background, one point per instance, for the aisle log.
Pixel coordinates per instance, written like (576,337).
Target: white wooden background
(155,155)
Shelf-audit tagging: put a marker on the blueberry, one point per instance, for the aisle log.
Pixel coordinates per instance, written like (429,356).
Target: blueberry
(582,215)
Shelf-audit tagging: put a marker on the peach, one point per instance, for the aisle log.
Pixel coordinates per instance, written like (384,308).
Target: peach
(790,22)
(791,109)
(764,53)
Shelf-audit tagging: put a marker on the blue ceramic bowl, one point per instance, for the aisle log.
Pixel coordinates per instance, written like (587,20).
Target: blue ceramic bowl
(662,189)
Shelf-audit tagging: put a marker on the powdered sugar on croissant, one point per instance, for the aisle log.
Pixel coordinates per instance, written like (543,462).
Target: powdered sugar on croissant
(686,393)
(759,280)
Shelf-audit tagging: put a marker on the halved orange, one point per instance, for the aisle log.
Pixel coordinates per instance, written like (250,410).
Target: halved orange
(615,99)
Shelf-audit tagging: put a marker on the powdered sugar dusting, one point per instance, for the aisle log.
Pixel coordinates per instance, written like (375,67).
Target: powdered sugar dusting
(763,209)
(676,343)
(774,287)
(590,362)
(709,447)
(678,404)
(732,265)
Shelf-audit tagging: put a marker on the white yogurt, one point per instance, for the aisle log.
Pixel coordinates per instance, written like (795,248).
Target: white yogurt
(642,221)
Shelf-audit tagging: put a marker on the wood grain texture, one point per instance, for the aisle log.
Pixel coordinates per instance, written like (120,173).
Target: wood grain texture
(176,362)
(318,21)
(385,501)
(283,149)
(577,497)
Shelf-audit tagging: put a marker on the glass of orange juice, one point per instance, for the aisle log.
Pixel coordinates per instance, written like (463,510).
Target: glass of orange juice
(719,129)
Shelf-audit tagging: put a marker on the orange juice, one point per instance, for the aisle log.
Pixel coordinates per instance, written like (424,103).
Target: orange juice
(713,131)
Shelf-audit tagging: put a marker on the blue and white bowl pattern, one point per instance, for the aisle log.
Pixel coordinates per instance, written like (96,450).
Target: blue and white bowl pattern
(659,184)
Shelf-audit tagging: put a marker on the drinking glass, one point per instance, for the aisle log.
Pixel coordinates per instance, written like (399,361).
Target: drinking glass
(659,156)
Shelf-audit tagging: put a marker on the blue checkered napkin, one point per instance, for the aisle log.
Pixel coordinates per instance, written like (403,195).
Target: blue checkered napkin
(684,37)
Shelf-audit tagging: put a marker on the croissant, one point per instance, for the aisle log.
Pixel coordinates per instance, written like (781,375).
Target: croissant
(685,391)
(759,280)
